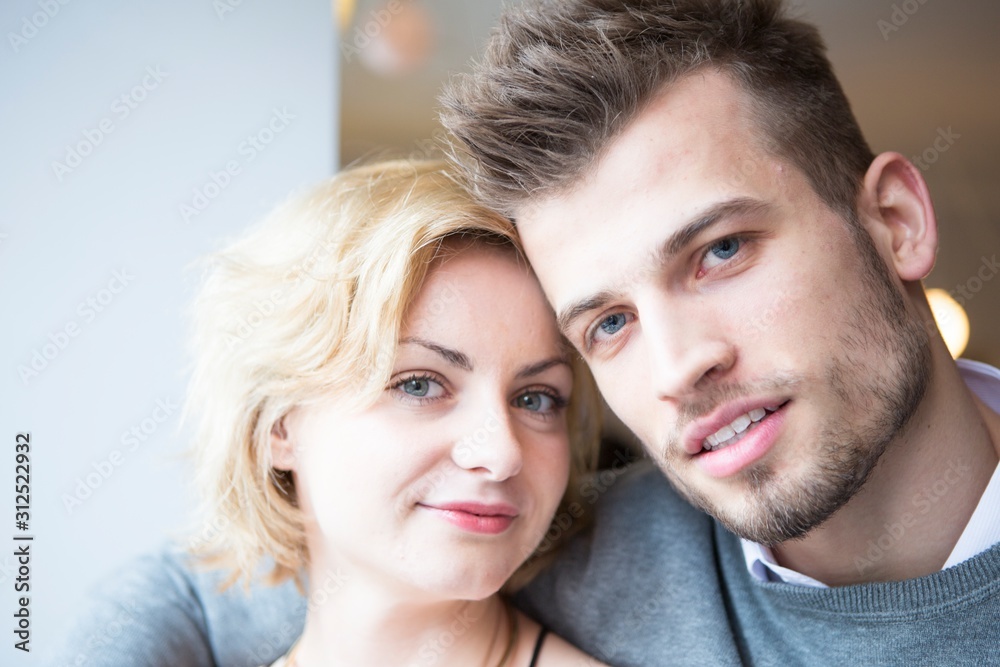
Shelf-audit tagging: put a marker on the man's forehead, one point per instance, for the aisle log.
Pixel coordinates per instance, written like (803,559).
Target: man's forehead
(692,148)
(683,123)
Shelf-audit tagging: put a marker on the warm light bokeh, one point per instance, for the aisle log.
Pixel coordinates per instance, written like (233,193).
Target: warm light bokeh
(951,320)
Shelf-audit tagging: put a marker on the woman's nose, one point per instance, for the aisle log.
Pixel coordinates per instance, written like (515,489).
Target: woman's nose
(490,444)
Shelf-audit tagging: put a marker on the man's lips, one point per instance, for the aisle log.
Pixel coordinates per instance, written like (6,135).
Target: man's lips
(741,451)
(694,435)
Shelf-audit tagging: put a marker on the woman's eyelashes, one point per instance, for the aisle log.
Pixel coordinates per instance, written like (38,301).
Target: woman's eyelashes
(419,389)
(542,402)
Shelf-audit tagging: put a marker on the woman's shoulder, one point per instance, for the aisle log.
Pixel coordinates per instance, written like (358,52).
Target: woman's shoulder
(557,652)
(554,651)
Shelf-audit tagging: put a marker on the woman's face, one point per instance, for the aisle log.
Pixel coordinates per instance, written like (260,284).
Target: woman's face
(445,485)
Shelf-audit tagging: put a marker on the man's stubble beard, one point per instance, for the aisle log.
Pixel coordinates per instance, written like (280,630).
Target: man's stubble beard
(880,326)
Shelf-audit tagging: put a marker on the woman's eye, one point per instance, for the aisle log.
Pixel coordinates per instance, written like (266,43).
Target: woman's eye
(722,251)
(539,401)
(420,387)
(417,387)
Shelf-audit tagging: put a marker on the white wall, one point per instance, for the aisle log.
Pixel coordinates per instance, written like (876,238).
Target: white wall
(198,79)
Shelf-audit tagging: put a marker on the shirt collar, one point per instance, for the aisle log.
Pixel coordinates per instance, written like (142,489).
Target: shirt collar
(981,533)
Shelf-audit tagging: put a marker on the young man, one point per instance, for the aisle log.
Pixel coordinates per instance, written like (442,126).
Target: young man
(743,276)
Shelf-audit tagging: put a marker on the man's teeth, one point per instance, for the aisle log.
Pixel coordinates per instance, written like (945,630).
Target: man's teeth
(727,435)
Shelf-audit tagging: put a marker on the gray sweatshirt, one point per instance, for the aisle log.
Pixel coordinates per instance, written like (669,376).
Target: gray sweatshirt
(655,583)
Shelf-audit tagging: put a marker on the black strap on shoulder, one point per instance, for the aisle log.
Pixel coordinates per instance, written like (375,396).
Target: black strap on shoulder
(538,646)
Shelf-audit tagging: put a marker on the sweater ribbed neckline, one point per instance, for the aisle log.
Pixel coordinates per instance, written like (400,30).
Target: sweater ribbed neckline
(966,583)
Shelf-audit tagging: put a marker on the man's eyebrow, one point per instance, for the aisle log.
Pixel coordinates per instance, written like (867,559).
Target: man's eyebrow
(453,357)
(578,308)
(667,250)
(742,206)
(536,369)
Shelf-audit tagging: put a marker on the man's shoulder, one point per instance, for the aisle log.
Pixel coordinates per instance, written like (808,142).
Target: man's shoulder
(639,501)
(642,531)
(646,564)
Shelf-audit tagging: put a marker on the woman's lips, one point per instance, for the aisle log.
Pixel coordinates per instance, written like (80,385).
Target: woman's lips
(475,517)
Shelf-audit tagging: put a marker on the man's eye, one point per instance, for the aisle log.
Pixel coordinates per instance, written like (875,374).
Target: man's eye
(606,329)
(721,251)
(612,324)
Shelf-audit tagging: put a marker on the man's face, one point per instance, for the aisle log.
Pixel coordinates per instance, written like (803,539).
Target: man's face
(759,348)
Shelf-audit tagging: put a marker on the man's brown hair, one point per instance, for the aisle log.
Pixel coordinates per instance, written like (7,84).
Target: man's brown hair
(560,79)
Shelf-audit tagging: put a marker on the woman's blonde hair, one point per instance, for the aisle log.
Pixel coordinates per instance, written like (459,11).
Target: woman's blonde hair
(311,303)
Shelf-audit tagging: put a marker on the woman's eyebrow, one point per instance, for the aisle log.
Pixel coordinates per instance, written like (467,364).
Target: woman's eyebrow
(453,357)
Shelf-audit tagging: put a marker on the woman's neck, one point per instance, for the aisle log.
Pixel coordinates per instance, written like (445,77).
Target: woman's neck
(362,624)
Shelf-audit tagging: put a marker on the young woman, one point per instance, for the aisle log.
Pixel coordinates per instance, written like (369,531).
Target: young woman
(387,413)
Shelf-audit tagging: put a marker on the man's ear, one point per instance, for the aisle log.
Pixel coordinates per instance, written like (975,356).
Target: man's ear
(283,455)
(899,215)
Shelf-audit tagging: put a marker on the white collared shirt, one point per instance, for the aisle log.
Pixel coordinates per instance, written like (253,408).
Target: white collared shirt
(981,532)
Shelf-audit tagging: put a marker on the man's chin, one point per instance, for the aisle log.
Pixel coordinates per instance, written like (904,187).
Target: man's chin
(765,514)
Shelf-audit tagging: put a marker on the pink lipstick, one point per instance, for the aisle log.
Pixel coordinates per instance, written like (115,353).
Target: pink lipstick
(475,517)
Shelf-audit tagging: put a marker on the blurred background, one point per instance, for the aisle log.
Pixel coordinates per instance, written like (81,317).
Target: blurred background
(139,136)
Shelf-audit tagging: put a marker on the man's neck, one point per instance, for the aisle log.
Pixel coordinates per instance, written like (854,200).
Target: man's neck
(906,520)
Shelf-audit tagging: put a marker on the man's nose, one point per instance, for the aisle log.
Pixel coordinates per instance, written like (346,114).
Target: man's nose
(684,348)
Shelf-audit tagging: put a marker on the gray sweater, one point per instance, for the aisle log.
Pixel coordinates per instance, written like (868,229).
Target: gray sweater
(655,583)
